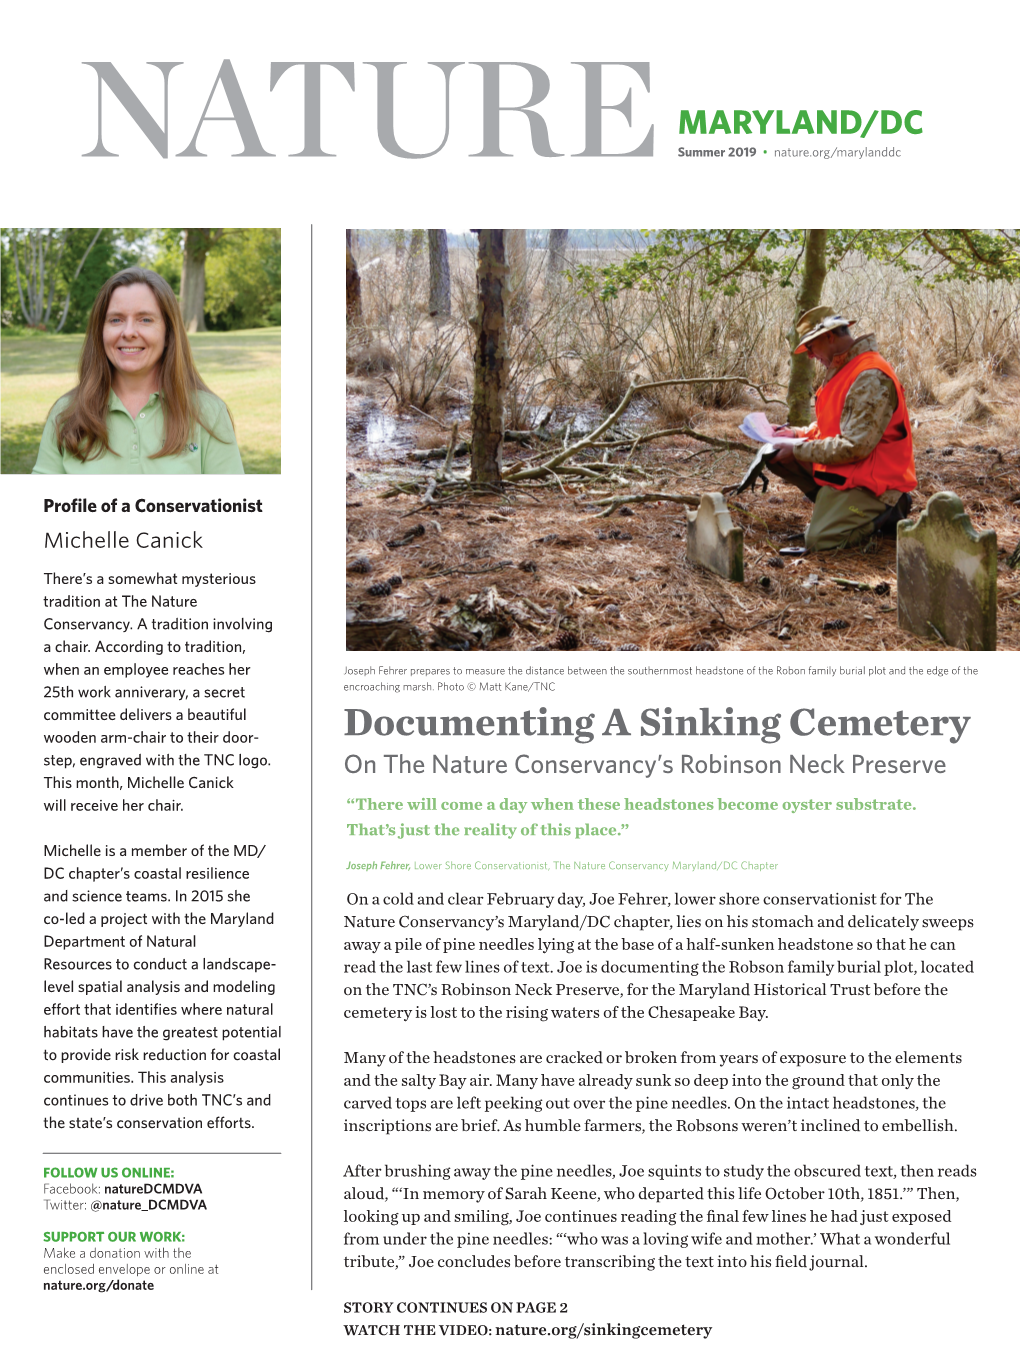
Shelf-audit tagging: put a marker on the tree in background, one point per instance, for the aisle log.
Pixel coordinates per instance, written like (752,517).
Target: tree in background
(89,258)
(196,244)
(800,387)
(400,241)
(490,361)
(47,262)
(721,260)
(439,273)
(556,251)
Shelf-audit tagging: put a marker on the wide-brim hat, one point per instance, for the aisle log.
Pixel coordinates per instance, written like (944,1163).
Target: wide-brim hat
(815,322)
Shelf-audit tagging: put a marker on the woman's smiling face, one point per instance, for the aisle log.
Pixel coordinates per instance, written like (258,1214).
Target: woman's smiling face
(134,332)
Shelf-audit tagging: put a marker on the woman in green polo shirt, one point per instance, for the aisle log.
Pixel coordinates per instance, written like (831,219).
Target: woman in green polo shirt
(140,405)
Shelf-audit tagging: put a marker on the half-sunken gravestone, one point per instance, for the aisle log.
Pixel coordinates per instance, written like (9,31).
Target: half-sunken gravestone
(713,540)
(946,576)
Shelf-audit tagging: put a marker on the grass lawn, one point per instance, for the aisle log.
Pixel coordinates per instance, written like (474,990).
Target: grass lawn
(242,367)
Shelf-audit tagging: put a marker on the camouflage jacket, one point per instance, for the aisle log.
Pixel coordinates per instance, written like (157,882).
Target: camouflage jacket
(870,405)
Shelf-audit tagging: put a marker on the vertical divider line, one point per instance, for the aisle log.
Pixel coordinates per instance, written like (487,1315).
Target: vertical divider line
(311,756)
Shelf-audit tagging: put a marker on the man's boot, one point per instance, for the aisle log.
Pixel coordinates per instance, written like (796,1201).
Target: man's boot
(889,518)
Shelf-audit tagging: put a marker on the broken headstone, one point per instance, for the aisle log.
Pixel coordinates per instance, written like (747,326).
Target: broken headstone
(713,540)
(946,576)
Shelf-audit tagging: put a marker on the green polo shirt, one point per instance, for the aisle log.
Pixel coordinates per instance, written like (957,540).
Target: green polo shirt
(133,441)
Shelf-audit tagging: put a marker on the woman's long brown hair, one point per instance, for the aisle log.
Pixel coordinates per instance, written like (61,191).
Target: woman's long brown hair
(81,426)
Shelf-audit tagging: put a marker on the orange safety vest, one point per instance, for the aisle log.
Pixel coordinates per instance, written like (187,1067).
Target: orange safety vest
(890,465)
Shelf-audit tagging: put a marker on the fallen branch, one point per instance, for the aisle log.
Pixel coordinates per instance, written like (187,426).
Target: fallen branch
(715,443)
(591,440)
(614,502)
(524,436)
(434,455)
(609,468)
(401,489)
(712,441)
(460,571)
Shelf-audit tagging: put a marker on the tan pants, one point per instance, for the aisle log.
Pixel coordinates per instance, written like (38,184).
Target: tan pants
(842,518)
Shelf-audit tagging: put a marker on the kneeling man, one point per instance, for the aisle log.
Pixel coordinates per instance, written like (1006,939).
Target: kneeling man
(858,466)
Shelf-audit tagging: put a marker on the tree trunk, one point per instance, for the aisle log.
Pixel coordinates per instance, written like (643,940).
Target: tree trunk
(809,294)
(353,283)
(556,253)
(26,293)
(36,296)
(417,240)
(43,251)
(490,362)
(195,251)
(439,274)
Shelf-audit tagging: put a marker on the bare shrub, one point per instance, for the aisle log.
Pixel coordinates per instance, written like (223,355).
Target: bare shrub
(673,405)
(422,360)
(605,337)
(538,343)
(694,333)
(415,352)
(933,334)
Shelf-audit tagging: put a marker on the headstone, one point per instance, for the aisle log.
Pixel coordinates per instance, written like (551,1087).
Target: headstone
(713,540)
(946,576)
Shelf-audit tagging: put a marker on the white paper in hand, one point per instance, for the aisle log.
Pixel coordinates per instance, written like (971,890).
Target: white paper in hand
(758,427)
